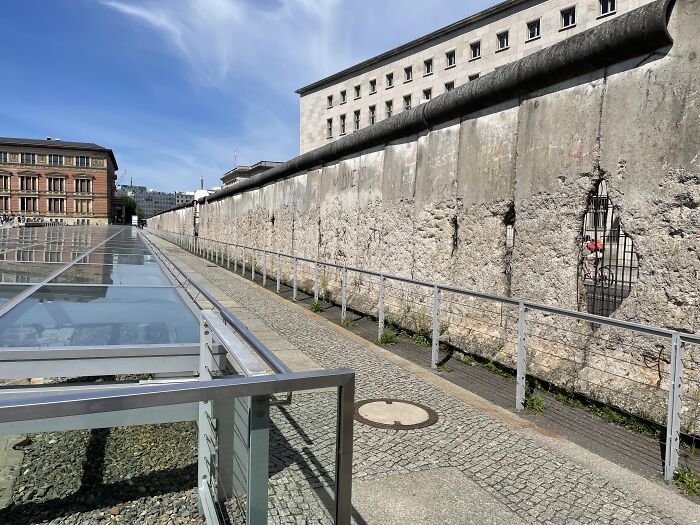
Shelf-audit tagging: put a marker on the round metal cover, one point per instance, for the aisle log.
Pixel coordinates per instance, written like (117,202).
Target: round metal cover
(395,414)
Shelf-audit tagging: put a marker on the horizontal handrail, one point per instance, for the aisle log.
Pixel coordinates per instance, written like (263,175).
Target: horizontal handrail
(581,316)
(133,397)
(242,355)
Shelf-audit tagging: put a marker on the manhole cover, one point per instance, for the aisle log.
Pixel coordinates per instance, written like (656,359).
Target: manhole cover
(394,413)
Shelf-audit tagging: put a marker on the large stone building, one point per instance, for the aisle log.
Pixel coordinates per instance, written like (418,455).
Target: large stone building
(56,181)
(240,173)
(150,201)
(413,73)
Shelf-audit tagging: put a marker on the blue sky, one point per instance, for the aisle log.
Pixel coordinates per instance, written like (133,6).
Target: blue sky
(177,87)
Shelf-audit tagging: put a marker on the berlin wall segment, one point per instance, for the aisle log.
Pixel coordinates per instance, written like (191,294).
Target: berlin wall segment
(431,205)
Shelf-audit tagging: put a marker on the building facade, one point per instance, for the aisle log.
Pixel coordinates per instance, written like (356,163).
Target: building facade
(56,181)
(183,197)
(149,201)
(413,73)
(245,172)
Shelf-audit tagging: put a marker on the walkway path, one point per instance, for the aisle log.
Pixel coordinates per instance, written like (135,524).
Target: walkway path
(478,464)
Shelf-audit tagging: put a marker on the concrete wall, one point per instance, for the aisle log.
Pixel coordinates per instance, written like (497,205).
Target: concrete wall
(432,207)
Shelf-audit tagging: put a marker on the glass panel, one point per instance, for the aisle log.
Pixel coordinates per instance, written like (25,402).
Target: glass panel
(8,292)
(302,455)
(17,272)
(125,274)
(99,315)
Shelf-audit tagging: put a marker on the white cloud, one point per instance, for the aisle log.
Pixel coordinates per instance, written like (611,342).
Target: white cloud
(225,39)
(250,55)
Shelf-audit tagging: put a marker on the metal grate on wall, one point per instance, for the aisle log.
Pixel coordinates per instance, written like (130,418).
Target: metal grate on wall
(609,265)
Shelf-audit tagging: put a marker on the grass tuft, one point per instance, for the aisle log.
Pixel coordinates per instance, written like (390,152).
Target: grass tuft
(388,337)
(535,403)
(421,340)
(317,306)
(688,481)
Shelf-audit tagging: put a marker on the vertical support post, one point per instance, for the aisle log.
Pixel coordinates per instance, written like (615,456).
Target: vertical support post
(380,316)
(673,417)
(316,283)
(206,435)
(252,264)
(242,261)
(228,258)
(343,454)
(344,295)
(522,358)
(258,459)
(435,357)
(264,268)
(278,272)
(294,281)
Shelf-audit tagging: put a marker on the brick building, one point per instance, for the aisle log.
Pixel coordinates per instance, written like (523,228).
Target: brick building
(56,181)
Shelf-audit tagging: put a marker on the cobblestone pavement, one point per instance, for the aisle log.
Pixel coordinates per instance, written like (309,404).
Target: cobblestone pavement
(537,483)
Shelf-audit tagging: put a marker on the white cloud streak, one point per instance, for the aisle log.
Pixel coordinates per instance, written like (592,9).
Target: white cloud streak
(221,40)
(251,55)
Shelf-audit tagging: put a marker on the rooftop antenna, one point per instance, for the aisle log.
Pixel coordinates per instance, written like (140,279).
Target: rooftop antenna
(235,159)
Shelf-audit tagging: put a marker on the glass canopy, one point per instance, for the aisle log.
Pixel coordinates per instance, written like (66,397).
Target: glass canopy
(66,286)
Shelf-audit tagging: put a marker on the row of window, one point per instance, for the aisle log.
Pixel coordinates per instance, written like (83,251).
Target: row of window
(31,256)
(388,110)
(568,20)
(80,161)
(53,205)
(55,184)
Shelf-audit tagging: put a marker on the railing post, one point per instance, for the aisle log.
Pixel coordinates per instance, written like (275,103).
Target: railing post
(522,358)
(294,281)
(252,264)
(207,445)
(279,258)
(264,268)
(316,281)
(673,417)
(228,258)
(258,460)
(243,261)
(344,294)
(380,316)
(436,327)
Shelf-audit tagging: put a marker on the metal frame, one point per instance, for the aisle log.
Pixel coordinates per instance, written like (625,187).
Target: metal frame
(223,340)
(675,338)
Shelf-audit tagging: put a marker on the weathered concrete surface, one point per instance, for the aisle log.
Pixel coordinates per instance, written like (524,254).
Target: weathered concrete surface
(432,206)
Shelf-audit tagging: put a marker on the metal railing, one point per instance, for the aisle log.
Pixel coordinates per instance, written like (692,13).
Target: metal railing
(532,325)
(231,398)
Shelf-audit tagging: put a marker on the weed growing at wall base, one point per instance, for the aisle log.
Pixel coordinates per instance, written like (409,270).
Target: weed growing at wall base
(535,403)
(317,306)
(688,481)
(388,337)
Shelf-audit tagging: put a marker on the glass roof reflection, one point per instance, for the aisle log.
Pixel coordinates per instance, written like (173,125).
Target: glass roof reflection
(107,289)
(98,316)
